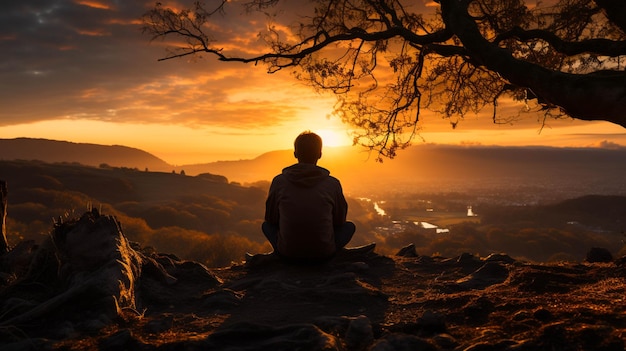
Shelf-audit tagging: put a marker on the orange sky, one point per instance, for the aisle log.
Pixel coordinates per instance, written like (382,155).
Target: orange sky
(82,71)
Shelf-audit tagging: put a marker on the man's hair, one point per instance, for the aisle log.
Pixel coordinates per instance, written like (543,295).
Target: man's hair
(308,147)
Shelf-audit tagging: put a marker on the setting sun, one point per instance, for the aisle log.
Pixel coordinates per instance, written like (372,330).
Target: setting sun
(333,138)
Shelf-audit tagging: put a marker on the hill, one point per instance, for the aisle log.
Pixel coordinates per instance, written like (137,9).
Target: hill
(81,291)
(52,151)
(182,213)
(571,171)
(562,172)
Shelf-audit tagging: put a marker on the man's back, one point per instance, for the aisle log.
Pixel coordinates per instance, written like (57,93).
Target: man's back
(307,203)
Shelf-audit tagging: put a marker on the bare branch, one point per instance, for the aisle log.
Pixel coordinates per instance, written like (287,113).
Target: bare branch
(598,46)
(465,57)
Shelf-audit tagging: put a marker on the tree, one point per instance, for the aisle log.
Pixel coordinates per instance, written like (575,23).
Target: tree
(557,58)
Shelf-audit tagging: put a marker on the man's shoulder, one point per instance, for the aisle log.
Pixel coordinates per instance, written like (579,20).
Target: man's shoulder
(279,178)
(332,177)
(333,181)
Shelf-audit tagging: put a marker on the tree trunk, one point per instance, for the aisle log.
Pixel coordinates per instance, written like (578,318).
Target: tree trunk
(4,246)
(587,97)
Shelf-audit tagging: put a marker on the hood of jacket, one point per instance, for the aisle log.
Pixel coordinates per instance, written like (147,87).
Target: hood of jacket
(305,175)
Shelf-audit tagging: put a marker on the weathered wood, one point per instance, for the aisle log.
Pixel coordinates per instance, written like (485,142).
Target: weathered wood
(4,245)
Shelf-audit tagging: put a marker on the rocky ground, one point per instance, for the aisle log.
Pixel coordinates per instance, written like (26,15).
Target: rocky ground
(79,293)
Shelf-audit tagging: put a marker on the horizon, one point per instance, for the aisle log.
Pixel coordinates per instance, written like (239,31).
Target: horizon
(81,71)
(335,149)
(428,167)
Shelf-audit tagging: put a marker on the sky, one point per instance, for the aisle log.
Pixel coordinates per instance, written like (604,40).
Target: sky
(83,71)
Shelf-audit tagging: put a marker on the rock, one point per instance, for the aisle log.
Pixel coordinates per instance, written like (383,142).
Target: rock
(499,257)
(17,261)
(445,341)
(160,325)
(599,255)
(87,260)
(477,311)
(543,315)
(188,280)
(466,258)
(35,344)
(359,334)
(261,259)
(407,251)
(521,315)
(122,340)
(541,279)
(251,336)
(489,274)
(364,249)
(402,342)
(482,346)
(432,322)
(598,337)
(222,299)
(355,267)
(156,269)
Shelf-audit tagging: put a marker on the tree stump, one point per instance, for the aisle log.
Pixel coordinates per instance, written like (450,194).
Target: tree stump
(4,245)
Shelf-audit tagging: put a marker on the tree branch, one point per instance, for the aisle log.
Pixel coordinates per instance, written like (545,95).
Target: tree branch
(597,46)
(571,92)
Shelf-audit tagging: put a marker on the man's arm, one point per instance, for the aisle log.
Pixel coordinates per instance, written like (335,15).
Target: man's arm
(340,210)
(271,204)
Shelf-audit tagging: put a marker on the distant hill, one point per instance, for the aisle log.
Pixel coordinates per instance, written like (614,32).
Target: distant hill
(450,168)
(53,151)
(561,172)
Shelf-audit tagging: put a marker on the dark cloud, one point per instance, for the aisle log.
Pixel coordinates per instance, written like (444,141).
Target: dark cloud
(54,50)
(89,59)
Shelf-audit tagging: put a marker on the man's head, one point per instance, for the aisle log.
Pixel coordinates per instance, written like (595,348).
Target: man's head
(308,147)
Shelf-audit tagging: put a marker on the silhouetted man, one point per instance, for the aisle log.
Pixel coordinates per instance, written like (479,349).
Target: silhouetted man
(305,211)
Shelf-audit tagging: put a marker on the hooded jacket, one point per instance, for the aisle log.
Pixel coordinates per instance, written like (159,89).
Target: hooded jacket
(307,203)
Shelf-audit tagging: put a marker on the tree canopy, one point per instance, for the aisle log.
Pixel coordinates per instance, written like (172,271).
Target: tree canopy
(386,60)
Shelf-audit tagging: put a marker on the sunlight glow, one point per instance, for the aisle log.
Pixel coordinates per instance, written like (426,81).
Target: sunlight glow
(179,145)
(333,137)
(174,144)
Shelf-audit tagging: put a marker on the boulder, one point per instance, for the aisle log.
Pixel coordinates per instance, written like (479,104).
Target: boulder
(599,255)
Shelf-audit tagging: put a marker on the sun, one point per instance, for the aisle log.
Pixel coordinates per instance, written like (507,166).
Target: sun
(333,138)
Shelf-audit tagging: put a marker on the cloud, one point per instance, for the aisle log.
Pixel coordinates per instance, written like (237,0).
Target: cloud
(88,59)
(94,4)
(605,144)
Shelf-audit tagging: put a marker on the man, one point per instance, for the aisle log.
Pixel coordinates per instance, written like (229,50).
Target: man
(305,211)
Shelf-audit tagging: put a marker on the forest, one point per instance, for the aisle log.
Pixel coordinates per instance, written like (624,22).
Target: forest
(207,219)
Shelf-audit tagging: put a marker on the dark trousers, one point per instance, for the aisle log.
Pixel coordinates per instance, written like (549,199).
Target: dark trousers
(343,234)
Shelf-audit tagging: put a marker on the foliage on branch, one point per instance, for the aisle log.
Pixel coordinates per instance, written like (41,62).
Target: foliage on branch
(387,60)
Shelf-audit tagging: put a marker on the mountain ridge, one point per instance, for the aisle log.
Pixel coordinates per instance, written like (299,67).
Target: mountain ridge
(434,166)
(424,166)
(53,151)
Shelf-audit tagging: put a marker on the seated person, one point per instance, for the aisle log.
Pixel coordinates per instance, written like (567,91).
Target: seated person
(305,211)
